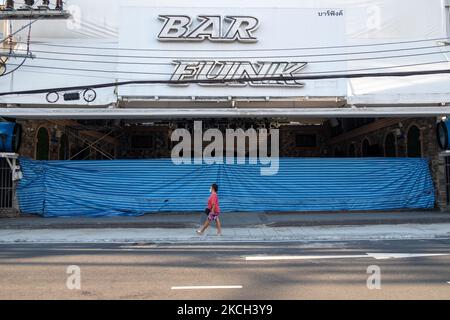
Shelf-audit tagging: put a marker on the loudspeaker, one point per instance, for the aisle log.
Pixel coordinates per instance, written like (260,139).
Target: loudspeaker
(442,134)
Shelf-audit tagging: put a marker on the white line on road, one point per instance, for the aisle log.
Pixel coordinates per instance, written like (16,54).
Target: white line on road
(377,256)
(268,258)
(206,287)
(384,256)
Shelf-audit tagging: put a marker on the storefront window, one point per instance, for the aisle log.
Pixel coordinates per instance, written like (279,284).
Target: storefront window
(146,141)
(365,148)
(42,145)
(389,146)
(414,145)
(352,151)
(64,148)
(306,141)
(338,153)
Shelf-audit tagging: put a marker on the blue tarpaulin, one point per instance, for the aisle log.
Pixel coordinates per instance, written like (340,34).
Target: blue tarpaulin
(137,187)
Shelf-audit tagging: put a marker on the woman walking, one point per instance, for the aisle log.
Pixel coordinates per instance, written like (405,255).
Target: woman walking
(213,211)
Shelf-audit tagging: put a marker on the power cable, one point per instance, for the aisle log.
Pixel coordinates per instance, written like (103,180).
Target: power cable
(4,74)
(266,57)
(169,74)
(249,57)
(246,50)
(224,81)
(19,30)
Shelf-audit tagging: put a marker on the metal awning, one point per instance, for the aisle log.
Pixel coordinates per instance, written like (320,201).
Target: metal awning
(190,113)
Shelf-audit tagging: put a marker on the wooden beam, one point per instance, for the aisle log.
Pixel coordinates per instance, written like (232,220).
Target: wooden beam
(87,133)
(371,127)
(97,135)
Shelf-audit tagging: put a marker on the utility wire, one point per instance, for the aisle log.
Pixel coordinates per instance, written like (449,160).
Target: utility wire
(181,58)
(224,81)
(246,57)
(318,72)
(244,62)
(4,74)
(162,73)
(20,29)
(244,50)
(250,74)
(13,70)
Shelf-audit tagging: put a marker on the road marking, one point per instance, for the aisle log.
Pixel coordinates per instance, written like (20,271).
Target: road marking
(377,256)
(152,246)
(384,256)
(205,287)
(268,258)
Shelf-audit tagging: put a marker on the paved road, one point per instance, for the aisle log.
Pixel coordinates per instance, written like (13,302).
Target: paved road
(124,271)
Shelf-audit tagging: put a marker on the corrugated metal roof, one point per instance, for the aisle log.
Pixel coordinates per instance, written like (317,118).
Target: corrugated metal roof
(136,187)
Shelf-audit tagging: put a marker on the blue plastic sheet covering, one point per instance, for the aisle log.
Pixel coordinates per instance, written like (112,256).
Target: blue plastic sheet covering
(137,187)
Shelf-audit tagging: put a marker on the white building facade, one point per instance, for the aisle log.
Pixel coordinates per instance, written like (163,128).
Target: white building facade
(116,41)
(359,75)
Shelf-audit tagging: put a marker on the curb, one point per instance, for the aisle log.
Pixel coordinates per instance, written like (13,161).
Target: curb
(175,225)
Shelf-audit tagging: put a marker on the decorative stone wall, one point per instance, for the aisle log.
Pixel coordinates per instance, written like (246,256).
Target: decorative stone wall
(161,147)
(429,146)
(29,138)
(77,142)
(288,146)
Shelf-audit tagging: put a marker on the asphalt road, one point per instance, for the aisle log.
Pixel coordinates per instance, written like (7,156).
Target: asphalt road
(114,271)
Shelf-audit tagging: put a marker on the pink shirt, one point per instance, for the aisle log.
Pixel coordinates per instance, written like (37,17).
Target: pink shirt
(214,200)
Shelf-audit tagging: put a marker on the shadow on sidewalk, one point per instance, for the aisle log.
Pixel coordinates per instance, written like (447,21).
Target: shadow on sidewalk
(231,220)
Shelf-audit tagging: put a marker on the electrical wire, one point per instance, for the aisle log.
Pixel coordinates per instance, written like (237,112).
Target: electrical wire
(171,63)
(169,74)
(246,50)
(4,74)
(304,55)
(187,58)
(230,50)
(13,70)
(19,30)
(225,81)
(248,57)
(244,62)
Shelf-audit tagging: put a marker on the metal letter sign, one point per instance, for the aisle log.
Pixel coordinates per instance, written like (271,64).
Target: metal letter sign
(181,28)
(225,29)
(239,71)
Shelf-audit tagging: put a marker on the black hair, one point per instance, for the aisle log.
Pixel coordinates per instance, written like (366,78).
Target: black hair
(215,187)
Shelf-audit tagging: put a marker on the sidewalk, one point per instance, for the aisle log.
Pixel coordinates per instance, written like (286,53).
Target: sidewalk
(238,227)
(230,220)
(231,235)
